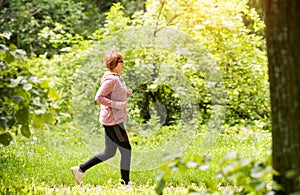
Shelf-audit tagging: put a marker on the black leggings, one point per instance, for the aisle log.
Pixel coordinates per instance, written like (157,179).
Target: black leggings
(115,137)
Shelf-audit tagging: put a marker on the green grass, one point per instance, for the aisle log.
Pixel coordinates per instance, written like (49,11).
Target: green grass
(41,164)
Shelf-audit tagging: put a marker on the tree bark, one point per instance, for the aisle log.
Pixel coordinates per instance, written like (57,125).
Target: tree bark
(282,19)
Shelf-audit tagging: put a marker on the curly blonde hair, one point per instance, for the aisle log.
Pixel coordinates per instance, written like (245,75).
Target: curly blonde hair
(111,58)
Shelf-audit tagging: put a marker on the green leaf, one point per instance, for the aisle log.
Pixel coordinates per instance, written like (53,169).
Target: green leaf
(5,138)
(53,94)
(37,121)
(15,82)
(44,83)
(25,130)
(12,47)
(210,184)
(203,167)
(257,172)
(257,185)
(27,87)
(230,156)
(191,164)
(23,116)
(17,99)
(9,58)
(24,94)
(160,186)
(6,35)
(161,175)
(192,190)
(48,117)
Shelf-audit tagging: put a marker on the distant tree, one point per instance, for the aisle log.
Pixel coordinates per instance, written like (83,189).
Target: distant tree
(283,45)
(131,6)
(25,20)
(257,5)
(40,26)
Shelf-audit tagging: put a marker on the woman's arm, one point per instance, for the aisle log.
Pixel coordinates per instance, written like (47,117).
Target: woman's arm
(104,92)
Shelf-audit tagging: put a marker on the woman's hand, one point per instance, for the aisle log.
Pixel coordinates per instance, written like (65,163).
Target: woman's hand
(129,92)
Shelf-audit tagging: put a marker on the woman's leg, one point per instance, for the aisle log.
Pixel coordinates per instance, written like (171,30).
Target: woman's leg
(125,150)
(109,152)
(125,162)
(115,137)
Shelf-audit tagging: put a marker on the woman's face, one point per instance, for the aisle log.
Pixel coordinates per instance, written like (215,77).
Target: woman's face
(119,68)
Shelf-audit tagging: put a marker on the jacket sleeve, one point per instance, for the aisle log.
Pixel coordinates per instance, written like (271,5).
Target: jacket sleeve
(104,92)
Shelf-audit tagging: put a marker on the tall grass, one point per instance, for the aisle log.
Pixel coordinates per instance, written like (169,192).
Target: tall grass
(41,164)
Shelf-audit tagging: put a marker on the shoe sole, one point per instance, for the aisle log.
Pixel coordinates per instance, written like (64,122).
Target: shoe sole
(75,178)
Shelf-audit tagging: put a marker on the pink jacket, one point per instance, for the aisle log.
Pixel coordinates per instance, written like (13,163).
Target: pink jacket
(112,97)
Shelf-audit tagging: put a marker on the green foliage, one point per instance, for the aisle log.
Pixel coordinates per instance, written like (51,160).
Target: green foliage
(237,68)
(242,172)
(61,69)
(179,164)
(237,48)
(114,22)
(26,99)
(132,6)
(27,19)
(246,172)
(75,73)
(152,45)
(41,26)
(239,81)
(257,5)
(151,50)
(148,63)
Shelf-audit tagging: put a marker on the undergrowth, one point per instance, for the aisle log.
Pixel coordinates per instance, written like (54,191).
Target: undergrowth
(41,164)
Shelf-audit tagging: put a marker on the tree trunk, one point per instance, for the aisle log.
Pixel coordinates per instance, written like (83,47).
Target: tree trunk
(283,45)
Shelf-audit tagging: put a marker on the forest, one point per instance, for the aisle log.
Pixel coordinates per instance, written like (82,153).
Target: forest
(199,119)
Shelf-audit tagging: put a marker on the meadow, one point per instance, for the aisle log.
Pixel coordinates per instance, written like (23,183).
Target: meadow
(41,164)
